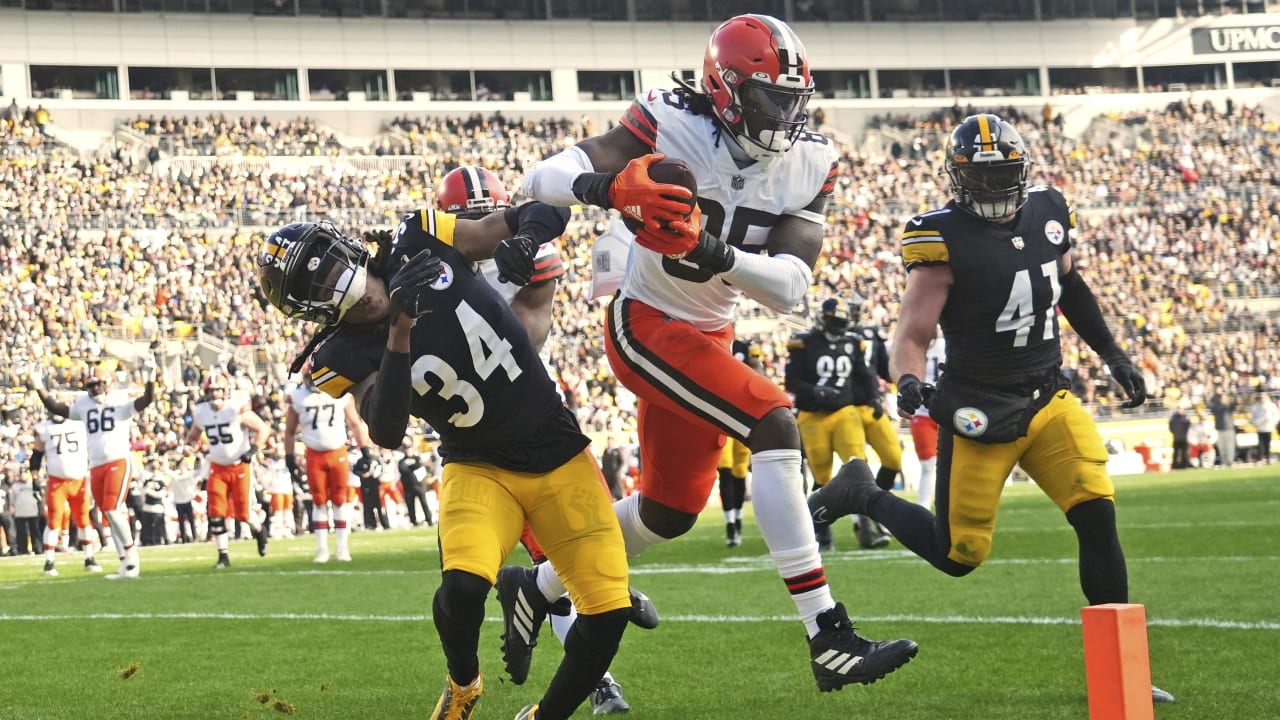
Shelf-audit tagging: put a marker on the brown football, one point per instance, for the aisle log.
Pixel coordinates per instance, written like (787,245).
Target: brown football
(671,172)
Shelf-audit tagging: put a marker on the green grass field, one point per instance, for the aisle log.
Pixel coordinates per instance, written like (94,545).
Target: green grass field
(277,636)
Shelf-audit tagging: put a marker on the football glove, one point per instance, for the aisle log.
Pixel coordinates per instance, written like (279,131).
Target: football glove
(877,410)
(249,454)
(1130,380)
(711,254)
(913,395)
(364,465)
(827,398)
(634,194)
(674,239)
(295,472)
(408,286)
(514,257)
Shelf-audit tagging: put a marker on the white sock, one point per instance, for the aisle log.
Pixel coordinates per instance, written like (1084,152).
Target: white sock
(320,527)
(635,534)
(341,529)
(121,533)
(222,541)
(728,517)
(783,518)
(87,541)
(50,544)
(549,582)
(928,480)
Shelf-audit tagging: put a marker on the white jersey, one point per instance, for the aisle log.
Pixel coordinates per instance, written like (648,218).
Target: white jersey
(108,423)
(739,205)
(934,357)
(66,448)
(322,418)
(223,430)
(276,479)
(489,271)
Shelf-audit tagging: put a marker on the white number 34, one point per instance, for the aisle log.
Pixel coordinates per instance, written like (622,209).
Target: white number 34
(488,353)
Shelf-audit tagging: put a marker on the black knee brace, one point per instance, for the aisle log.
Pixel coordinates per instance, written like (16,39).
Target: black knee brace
(217,526)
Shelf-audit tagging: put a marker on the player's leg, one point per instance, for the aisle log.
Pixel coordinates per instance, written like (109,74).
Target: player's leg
(571,513)
(338,474)
(924,436)
(79,504)
(56,511)
(817,436)
(242,500)
(480,521)
(1067,459)
(882,436)
(219,487)
(112,482)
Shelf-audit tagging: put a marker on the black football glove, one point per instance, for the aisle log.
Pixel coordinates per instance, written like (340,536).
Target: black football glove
(295,472)
(913,394)
(249,454)
(1130,380)
(364,464)
(408,286)
(877,410)
(711,254)
(514,257)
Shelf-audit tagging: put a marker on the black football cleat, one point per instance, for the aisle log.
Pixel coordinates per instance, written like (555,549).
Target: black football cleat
(523,610)
(263,539)
(1159,696)
(850,492)
(223,562)
(607,698)
(840,656)
(870,535)
(643,613)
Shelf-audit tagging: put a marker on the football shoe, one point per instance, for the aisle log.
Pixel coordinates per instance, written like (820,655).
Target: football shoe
(841,656)
(643,612)
(458,702)
(523,611)
(49,569)
(607,698)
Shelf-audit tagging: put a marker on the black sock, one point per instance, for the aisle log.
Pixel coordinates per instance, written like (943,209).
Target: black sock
(885,478)
(1104,577)
(588,649)
(458,611)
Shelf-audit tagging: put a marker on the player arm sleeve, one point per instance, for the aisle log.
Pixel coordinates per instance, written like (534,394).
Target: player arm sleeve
(540,221)
(385,407)
(777,282)
(37,456)
(551,180)
(798,386)
(1081,309)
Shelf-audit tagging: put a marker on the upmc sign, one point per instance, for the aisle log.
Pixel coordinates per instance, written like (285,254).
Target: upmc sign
(1212,41)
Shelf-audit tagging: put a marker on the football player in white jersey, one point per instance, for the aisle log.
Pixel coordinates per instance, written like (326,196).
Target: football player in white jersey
(63,447)
(327,425)
(108,420)
(763,184)
(223,418)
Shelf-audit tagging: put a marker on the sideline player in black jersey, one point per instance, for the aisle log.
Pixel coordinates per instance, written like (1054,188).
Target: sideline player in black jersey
(991,267)
(412,330)
(881,429)
(829,379)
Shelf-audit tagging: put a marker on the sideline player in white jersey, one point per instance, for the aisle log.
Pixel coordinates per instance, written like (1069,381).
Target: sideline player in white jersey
(63,446)
(327,425)
(764,182)
(223,418)
(924,429)
(108,420)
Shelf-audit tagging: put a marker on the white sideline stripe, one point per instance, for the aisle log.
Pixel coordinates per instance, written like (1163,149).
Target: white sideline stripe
(924,619)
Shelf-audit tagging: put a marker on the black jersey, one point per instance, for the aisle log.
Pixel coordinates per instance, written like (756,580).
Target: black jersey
(476,378)
(1000,318)
(875,351)
(814,361)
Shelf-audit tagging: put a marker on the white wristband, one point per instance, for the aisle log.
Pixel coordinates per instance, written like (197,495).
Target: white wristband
(777,282)
(551,180)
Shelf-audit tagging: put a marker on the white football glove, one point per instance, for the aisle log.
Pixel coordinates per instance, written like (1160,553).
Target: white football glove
(35,380)
(148,367)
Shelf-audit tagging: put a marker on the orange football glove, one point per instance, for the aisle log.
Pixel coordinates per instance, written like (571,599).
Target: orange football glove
(634,194)
(673,239)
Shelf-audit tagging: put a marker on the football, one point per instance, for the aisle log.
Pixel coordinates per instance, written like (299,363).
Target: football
(671,172)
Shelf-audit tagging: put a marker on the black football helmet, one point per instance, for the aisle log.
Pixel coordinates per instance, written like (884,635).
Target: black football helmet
(987,163)
(313,272)
(834,319)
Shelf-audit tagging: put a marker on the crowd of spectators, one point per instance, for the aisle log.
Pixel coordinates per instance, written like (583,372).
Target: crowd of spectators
(1179,236)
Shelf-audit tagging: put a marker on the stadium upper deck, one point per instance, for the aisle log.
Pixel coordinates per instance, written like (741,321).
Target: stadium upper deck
(353,64)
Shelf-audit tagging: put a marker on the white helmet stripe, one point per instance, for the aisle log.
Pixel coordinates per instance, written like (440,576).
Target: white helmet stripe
(474,184)
(788,44)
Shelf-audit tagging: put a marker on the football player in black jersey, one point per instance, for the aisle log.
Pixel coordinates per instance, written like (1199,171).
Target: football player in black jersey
(412,330)
(993,267)
(881,429)
(826,374)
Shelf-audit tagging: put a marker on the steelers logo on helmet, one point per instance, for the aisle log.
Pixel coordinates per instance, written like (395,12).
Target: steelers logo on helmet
(970,422)
(987,164)
(313,272)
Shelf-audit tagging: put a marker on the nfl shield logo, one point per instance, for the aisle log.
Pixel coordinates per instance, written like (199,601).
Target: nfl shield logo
(737,181)
(1017,243)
